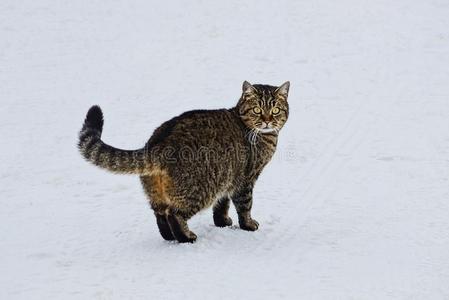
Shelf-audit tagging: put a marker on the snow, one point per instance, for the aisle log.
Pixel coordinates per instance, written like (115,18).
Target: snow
(354,204)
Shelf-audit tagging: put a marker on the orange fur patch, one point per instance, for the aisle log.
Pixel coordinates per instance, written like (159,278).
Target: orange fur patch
(160,186)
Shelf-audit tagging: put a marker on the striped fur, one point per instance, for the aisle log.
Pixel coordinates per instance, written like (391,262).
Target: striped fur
(104,156)
(198,159)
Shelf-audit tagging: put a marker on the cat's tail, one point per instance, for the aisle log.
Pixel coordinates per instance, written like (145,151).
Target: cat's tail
(94,150)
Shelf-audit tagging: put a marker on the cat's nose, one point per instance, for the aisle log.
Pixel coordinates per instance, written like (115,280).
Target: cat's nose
(266,118)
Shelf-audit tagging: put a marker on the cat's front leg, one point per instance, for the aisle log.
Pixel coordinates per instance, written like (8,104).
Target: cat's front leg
(221,208)
(243,202)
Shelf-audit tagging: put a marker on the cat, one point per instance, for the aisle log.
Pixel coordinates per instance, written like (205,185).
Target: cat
(199,158)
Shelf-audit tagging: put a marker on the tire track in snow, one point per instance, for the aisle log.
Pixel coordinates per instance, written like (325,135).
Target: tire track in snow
(321,173)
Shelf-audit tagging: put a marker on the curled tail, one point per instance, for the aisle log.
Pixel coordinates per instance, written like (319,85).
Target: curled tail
(104,156)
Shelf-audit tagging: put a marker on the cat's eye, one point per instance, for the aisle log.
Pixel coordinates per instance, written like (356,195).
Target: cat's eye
(275,111)
(257,110)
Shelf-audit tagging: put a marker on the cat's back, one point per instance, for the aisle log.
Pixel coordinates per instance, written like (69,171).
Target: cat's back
(198,128)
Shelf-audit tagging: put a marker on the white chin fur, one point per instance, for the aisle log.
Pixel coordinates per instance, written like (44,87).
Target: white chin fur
(265,130)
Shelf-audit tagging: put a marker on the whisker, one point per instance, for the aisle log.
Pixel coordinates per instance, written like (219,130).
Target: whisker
(255,135)
(248,134)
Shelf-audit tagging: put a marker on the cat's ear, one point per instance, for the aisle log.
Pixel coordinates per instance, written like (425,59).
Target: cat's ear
(283,89)
(247,88)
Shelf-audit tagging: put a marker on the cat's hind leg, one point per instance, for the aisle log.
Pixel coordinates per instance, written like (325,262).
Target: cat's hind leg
(221,208)
(180,229)
(164,227)
(156,187)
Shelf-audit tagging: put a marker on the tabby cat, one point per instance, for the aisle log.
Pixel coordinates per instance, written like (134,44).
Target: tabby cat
(199,158)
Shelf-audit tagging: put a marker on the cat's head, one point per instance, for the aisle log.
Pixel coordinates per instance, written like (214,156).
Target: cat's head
(264,108)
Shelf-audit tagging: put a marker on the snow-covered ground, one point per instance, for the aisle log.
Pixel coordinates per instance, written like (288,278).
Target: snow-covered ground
(354,205)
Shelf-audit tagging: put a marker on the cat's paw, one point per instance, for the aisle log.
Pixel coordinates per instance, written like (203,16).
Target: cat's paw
(249,225)
(221,221)
(192,236)
(189,237)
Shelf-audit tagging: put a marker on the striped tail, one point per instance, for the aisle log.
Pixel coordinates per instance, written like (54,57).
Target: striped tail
(104,156)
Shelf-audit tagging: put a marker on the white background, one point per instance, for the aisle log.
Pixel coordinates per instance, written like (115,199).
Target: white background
(354,205)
